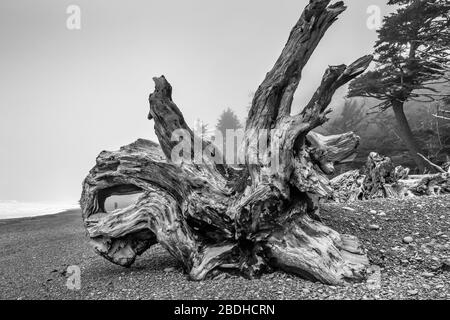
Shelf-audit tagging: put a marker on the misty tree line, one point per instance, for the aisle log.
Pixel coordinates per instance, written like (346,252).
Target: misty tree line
(412,67)
(402,107)
(379,131)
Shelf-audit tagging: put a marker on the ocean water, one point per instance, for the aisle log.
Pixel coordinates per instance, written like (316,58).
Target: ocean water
(16,209)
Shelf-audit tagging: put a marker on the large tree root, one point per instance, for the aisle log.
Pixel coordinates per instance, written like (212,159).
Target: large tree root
(214,218)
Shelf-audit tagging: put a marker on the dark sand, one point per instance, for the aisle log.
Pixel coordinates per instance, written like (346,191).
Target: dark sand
(35,252)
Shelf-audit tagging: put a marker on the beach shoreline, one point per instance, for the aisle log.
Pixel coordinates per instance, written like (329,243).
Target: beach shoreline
(35,253)
(16,209)
(66,211)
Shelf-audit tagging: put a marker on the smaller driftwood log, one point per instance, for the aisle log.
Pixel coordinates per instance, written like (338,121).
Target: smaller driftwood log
(380,178)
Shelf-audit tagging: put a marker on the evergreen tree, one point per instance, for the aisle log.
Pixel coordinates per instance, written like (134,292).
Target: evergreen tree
(228,120)
(412,55)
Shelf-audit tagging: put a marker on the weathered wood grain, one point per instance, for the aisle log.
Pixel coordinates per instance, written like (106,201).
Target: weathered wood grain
(216,218)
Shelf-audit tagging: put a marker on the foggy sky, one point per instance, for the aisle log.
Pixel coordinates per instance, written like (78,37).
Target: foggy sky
(67,95)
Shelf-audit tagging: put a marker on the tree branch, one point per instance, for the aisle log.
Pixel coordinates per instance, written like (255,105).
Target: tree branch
(431,163)
(334,78)
(274,96)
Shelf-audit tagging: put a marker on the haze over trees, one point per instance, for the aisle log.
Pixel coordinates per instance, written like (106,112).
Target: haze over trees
(412,55)
(379,131)
(228,120)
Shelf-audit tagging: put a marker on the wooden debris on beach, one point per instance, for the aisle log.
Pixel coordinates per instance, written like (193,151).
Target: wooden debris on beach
(380,178)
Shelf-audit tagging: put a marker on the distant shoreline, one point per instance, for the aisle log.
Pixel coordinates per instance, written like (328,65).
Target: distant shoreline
(24,218)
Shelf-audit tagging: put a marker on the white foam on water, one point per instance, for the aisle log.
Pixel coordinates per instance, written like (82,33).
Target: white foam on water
(15,209)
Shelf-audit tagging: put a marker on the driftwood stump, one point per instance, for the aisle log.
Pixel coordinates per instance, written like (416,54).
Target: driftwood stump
(380,178)
(215,218)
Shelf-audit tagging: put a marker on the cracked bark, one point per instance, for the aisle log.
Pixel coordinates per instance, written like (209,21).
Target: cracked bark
(214,218)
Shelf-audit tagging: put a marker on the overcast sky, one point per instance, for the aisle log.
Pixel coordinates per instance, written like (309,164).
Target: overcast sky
(66,94)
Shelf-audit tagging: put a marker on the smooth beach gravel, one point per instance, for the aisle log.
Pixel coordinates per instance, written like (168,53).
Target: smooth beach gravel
(410,245)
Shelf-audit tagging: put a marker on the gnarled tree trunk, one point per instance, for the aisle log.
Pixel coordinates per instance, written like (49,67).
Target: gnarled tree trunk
(214,218)
(407,135)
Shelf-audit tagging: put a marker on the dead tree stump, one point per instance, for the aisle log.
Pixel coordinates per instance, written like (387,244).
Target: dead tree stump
(214,218)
